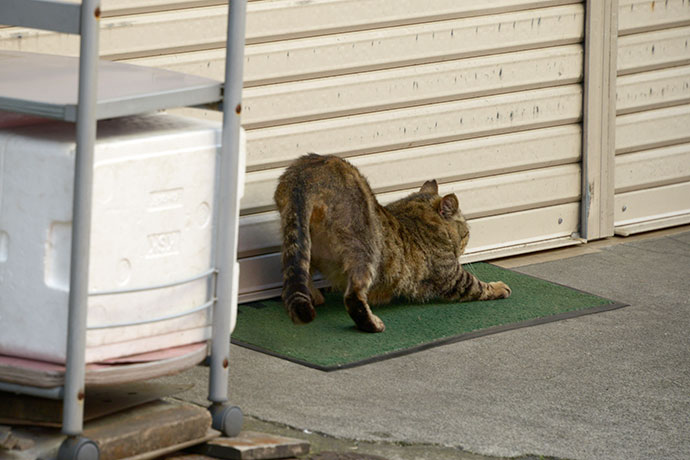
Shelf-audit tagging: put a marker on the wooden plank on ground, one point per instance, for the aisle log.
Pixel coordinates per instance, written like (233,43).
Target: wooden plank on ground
(250,445)
(100,401)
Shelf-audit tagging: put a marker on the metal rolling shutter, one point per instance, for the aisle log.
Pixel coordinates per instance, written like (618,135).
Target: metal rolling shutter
(653,116)
(488,102)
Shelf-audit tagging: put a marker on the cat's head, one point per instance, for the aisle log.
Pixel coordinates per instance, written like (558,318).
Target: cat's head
(448,208)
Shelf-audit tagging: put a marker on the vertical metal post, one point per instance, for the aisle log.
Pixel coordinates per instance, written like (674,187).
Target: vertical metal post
(73,404)
(599,119)
(226,255)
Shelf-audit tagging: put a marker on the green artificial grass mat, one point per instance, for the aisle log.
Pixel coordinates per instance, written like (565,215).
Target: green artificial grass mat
(332,342)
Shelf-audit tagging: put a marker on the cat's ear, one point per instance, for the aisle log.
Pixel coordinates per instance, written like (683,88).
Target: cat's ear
(430,186)
(449,206)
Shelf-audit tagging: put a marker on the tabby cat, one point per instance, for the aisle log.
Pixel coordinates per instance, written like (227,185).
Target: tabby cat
(332,222)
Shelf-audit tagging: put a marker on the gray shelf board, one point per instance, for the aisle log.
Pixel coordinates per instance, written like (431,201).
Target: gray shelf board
(56,15)
(47,85)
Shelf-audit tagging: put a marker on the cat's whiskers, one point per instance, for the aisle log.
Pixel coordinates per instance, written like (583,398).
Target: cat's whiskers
(468,267)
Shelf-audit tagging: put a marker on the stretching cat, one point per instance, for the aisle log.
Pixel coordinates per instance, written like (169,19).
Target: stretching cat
(331,222)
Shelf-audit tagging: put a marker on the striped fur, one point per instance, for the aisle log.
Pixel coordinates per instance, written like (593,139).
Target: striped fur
(331,222)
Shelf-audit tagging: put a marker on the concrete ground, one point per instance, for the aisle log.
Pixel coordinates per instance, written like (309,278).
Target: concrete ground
(613,385)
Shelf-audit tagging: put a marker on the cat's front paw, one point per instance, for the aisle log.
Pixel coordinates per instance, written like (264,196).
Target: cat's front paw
(500,290)
(317,298)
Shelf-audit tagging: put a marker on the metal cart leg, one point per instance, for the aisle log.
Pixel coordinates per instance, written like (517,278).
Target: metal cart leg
(226,418)
(76,447)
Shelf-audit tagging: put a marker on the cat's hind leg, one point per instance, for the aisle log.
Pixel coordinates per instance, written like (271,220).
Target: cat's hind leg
(360,279)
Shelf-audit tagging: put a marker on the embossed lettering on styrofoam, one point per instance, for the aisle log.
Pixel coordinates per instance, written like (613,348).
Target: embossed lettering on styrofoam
(164,244)
(165,199)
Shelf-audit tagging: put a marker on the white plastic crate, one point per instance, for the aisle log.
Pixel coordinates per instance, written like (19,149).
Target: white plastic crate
(152,224)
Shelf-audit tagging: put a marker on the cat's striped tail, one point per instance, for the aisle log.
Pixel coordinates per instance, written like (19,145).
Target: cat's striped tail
(295,215)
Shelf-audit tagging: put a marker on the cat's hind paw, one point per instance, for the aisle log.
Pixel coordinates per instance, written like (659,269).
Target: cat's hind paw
(300,309)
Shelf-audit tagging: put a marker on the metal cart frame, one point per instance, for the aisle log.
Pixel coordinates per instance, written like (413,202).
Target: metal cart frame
(83,19)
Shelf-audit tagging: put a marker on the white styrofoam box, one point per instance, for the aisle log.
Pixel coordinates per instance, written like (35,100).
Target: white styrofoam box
(152,223)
